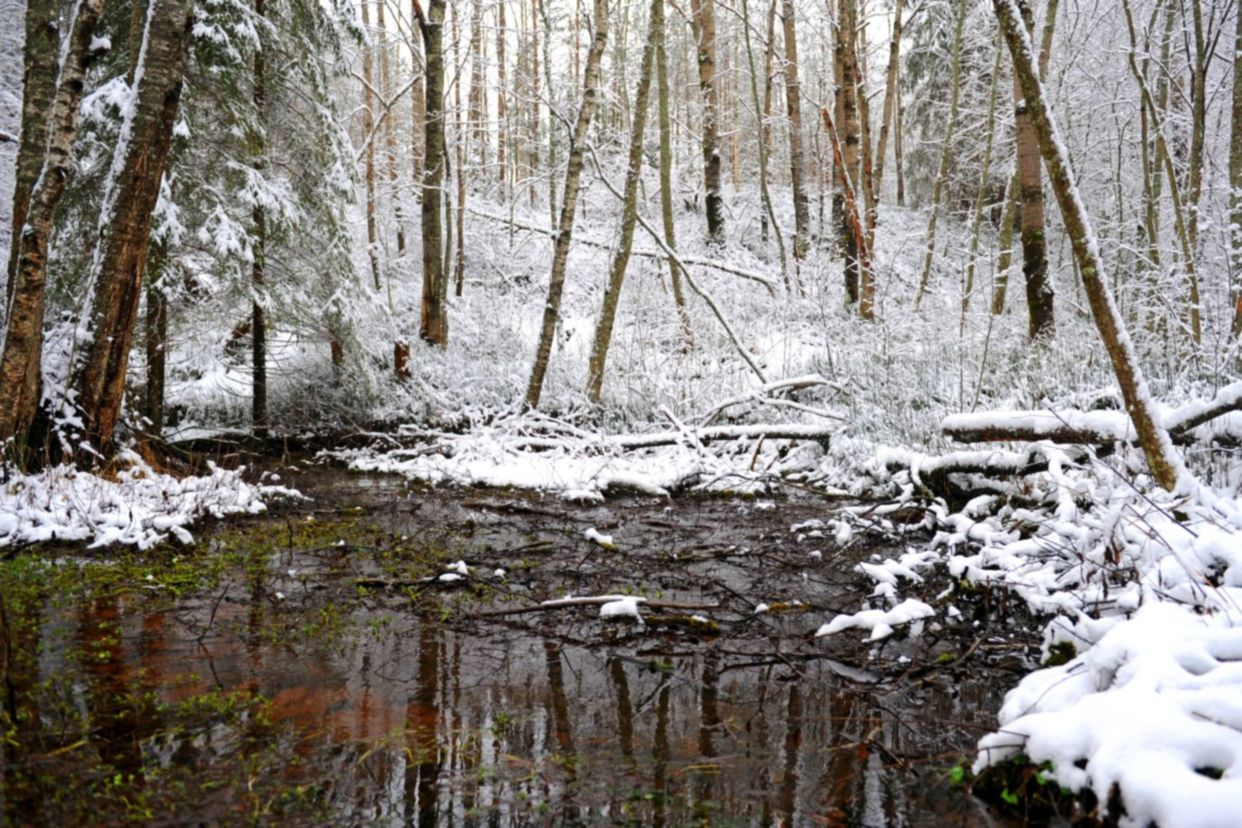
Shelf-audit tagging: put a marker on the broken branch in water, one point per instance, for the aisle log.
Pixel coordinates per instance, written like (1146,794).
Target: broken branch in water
(592,601)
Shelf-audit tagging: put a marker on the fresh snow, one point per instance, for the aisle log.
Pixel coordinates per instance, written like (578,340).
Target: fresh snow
(140,507)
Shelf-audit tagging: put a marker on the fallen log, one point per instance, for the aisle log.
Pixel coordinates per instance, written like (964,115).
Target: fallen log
(1186,424)
(593,601)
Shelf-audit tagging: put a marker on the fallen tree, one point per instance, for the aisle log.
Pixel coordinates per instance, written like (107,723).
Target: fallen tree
(1186,424)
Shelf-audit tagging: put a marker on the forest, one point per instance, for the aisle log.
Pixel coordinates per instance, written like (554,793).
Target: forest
(621,412)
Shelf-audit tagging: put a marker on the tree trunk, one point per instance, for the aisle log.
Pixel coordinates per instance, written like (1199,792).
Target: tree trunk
(476,132)
(629,213)
(569,205)
(1004,259)
(976,217)
(765,128)
(703,20)
(125,223)
(890,106)
(846,122)
(390,140)
(21,358)
(433,320)
(1163,462)
(946,146)
(1039,293)
(502,107)
(155,336)
(797,159)
(258,325)
(1235,186)
(38,95)
(368,127)
(660,35)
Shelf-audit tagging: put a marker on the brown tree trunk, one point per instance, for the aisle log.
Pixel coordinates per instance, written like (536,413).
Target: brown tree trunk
(433,320)
(797,158)
(1163,462)
(703,20)
(38,94)
(569,205)
(629,214)
(476,132)
(846,122)
(126,217)
(22,356)
(1039,293)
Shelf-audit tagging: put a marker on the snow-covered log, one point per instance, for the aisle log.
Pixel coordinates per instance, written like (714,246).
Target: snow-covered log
(1099,427)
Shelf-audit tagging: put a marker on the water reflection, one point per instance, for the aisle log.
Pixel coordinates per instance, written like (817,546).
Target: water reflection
(413,718)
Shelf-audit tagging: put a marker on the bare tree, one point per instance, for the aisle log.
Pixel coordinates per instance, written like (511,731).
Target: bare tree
(1163,462)
(797,158)
(703,20)
(629,214)
(569,204)
(433,319)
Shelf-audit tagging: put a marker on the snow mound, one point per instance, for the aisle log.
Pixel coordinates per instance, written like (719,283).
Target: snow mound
(1153,710)
(140,507)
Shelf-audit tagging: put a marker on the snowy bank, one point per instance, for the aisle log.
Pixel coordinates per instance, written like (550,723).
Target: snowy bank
(139,507)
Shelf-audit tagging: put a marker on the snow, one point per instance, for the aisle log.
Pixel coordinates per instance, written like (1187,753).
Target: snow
(140,507)
(881,623)
(1152,708)
(623,607)
(596,537)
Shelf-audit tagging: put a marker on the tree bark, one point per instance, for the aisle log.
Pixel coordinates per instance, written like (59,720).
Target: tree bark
(38,96)
(1039,293)
(703,20)
(797,158)
(1163,462)
(1235,186)
(945,148)
(629,213)
(125,222)
(433,320)
(368,127)
(659,33)
(22,355)
(258,243)
(569,204)
(890,106)
(846,122)
(390,139)
(502,106)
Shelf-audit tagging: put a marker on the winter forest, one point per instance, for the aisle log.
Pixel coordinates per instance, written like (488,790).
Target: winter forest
(660,412)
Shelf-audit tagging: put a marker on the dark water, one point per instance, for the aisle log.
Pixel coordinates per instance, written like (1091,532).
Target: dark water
(319,679)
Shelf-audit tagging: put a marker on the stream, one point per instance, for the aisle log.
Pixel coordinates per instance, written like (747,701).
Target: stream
(313,666)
